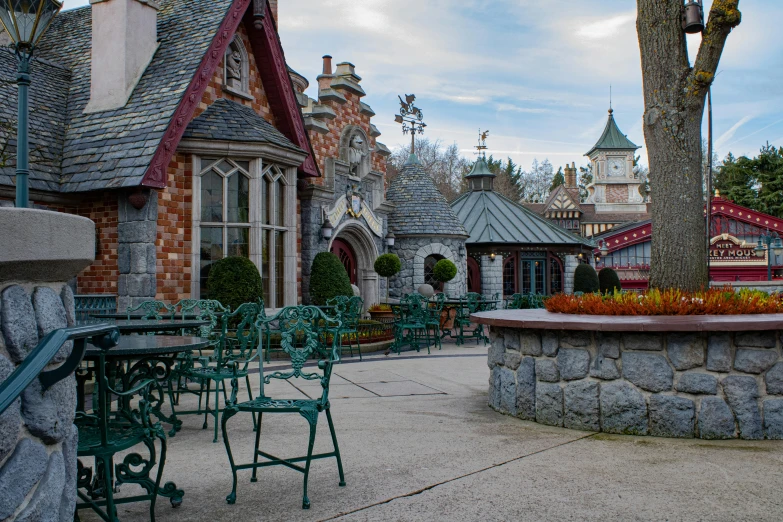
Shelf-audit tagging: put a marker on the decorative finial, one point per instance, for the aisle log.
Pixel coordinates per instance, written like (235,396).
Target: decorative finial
(411,118)
(482,143)
(610,98)
(717,193)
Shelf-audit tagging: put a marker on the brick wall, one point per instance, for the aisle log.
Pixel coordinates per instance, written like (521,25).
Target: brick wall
(617,193)
(174,237)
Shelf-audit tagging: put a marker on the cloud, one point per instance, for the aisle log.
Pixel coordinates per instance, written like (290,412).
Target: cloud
(607,27)
(726,136)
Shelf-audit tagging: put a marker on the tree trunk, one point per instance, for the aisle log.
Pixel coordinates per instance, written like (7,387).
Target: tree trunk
(674,94)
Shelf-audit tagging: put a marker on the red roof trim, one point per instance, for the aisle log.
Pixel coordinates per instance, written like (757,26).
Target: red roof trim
(626,238)
(270,58)
(156,173)
(730,209)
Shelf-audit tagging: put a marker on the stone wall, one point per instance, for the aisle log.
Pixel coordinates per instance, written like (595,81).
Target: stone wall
(413,250)
(709,386)
(491,276)
(137,254)
(571,262)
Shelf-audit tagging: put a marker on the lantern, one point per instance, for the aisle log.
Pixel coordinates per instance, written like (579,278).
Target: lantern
(27,20)
(327,229)
(693,17)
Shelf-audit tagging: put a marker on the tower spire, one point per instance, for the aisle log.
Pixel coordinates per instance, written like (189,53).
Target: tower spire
(610,99)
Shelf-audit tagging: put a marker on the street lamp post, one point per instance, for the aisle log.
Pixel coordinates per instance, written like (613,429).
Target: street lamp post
(773,246)
(25,21)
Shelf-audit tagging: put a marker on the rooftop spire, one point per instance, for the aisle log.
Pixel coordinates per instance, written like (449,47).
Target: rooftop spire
(480,177)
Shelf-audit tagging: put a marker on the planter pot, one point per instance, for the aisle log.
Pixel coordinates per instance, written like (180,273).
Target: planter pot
(710,377)
(383,316)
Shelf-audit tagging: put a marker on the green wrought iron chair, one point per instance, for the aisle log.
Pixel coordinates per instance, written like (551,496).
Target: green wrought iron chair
(236,349)
(469,304)
(152,310)
(104,433)
(413,309)
(433,317)
(514,302)
(302,331)
(349,311)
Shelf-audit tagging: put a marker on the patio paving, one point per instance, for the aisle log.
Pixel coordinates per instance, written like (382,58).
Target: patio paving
(419,443)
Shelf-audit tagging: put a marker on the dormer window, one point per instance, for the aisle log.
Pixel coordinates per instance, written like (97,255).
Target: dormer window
(236,69)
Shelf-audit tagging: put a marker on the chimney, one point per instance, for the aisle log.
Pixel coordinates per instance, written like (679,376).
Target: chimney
(273,9)
(325,78)
(570,176)
(124,40)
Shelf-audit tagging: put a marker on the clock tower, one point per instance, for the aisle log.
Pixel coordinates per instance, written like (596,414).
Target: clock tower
(615,186)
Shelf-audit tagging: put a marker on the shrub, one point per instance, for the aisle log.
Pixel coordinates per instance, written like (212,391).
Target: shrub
(444,271)
(387,265)
(234,281)
(608,281)
(585,279)
(716,301)
(328,279)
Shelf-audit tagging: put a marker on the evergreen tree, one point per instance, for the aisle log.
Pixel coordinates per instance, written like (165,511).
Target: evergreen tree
(585,178)
(558,180)
(736,181)
(769,175)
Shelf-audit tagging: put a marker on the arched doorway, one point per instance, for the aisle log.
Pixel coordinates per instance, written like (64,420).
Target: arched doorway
(347,257)
(474,276)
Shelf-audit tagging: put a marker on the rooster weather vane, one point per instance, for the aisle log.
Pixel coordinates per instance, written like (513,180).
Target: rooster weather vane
(411,118)
(482,143)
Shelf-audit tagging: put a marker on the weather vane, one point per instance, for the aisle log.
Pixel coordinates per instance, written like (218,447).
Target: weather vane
(482,143)
(411,118)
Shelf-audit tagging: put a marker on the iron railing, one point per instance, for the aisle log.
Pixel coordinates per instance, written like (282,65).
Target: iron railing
(103,335)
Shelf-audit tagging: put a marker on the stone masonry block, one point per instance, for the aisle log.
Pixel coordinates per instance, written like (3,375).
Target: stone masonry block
(10,420)
(754,361)
(755,339)
(719,353)
(573,363)
(50,315)
(20,473)
(526,389)
(580,401)
(648,371)
(494,388)
(20,330)
(45,502)
(124,258)
(773,418)
(608,345)
(774,379)
(623,409)
(642,341)
(546,370)
(508,390)
(604,368)
(49,414)
(549,343)
(686,351)
(576,339)
(742,394)
(671,416)
(715,419)
(694,382)
(549,404)
(530,343)
(511,360)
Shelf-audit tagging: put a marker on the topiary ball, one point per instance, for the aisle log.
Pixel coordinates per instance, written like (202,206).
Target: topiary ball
(608,281)
(444,271)
(234,281)
(585,279)
(328,279)
(387,265)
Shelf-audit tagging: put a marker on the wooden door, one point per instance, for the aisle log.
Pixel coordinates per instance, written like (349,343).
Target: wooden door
(347,257)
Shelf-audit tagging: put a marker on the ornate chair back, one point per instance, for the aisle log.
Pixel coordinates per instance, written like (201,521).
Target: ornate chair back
(304,331)
(205,310)
(415,308)
(152,310)
(239,337)
(473,302)
(514,302)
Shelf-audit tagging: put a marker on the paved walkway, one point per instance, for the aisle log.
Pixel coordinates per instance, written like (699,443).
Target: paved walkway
(419,443)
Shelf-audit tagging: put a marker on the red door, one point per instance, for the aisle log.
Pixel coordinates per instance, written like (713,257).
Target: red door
(344,251)
(474,276)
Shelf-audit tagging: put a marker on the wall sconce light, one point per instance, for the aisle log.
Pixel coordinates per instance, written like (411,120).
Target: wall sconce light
(390,239)
(580,256)
(327,229)
(492,256)
(461,251)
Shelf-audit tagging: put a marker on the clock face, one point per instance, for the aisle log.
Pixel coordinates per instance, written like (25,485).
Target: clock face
(616,167)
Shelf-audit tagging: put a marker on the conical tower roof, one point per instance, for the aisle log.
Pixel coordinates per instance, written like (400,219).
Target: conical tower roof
(480,169)
(612,138)
(420,207)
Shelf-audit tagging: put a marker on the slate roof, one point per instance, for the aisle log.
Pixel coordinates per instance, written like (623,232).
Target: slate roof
(491,218)
(420,207)
(113,148)
(612,138)
(226,120)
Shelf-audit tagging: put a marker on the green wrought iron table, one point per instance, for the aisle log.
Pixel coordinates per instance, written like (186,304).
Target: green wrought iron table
(127,326)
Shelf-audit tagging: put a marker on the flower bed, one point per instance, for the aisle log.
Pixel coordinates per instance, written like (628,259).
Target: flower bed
(716,301)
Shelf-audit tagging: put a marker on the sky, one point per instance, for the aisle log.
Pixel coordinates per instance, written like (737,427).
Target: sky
(536,73)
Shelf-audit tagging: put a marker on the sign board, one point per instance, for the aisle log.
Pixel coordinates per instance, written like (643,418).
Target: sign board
(726,250)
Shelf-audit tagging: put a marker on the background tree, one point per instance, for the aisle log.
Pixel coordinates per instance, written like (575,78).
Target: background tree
(558,180)
(443,163)
(674,95)
(535,182)
(506,177)
(643,175)
(585,178)
(755,183)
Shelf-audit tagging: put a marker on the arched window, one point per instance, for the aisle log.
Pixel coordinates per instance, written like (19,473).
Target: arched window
(474,276)
(510,275)
(555,275)
(225,213)
(429,277)
(236,68)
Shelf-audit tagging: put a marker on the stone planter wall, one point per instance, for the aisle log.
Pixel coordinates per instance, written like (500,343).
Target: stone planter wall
(38,440)
(717,385)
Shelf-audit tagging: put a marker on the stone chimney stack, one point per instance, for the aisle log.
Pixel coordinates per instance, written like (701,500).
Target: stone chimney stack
(124,40)
(570,176)
(273,9)
(325,78)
